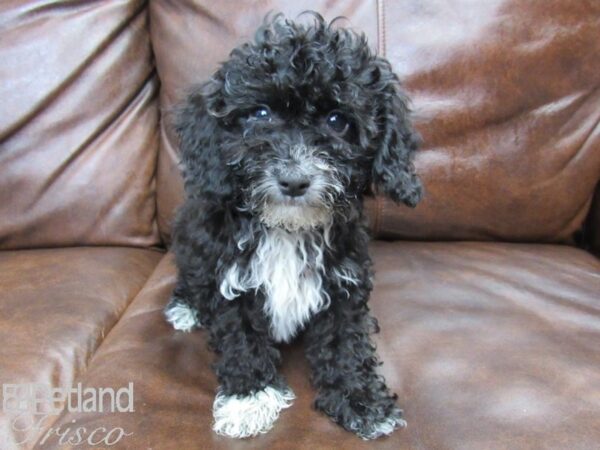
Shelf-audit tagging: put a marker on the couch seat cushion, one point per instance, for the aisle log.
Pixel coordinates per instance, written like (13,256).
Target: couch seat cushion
(488,346)
(56,306)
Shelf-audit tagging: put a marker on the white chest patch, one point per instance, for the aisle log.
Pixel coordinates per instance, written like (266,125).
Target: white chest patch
(288,268)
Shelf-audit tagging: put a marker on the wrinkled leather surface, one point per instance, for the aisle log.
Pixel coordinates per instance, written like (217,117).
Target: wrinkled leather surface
(489,346)
(56,307)
(506,95)
(78,124)
(190,39)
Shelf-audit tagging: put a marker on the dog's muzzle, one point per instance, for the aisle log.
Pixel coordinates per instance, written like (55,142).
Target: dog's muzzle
(297,191)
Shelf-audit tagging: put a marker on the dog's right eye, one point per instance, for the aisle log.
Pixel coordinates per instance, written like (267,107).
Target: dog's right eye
(262,113)
(337,122)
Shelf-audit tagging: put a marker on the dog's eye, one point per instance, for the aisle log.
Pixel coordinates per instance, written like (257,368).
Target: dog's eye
(337,122)
(262,113)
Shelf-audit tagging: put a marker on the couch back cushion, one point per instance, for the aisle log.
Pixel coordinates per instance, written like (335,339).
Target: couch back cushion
(78,124)
(505,94)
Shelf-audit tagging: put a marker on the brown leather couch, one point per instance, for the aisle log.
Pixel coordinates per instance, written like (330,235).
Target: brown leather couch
(488,293)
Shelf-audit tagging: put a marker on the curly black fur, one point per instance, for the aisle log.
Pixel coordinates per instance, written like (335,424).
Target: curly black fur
(294,75)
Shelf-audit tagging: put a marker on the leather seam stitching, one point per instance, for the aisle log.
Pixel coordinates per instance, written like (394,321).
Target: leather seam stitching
(381,37)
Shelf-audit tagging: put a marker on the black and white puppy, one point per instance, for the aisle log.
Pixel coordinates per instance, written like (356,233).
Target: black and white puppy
(278,148)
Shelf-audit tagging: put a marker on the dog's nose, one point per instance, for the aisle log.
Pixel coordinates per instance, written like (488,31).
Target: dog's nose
(293,186)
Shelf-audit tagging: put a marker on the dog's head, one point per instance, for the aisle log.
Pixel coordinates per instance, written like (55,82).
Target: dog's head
(297,123)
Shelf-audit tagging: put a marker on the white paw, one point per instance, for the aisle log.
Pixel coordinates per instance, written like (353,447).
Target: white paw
(182,316)
(242,417)
(383,428)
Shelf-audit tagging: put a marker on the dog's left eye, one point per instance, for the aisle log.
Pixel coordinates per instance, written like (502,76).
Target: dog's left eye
(262,113)
(337,122)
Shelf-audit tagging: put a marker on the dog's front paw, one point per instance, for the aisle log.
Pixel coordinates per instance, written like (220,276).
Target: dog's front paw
(370,428)
(181,315)
(368,417)
(245,416)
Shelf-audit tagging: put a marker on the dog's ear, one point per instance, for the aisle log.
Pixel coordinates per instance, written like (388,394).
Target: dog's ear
(393,173)
(206,173)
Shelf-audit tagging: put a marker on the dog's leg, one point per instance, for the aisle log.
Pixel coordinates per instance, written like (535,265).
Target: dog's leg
(251,392)
(344,362)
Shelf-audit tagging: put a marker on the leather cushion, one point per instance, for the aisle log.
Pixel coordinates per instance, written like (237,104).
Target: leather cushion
(78,121)
(505,94)
(56,307)
(488,346)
